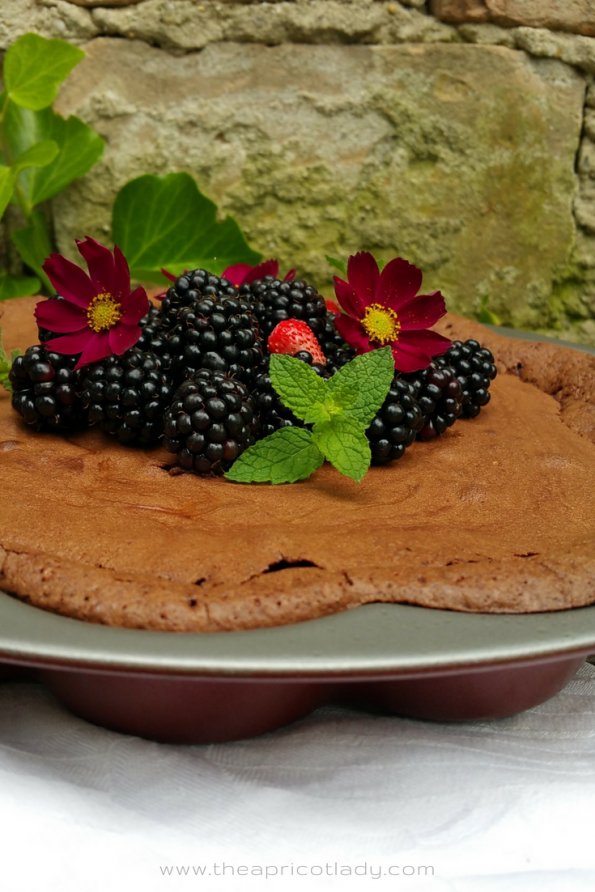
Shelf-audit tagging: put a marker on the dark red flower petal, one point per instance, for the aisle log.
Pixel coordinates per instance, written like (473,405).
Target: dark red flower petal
(363,275)
(236,273)
(69,280)
(121,276)
(167,275)
(409,357)
(134,306)
(59,315)
(97,348)
(430,342)
(123,337)
(74,342)
(352,332)
(399,283)
(348,299)
(290,275)
(422,312)
(100,261)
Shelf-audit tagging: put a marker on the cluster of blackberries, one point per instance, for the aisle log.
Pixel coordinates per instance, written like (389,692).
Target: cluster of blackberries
(44,389)
(198,377)
(127,396)
(210,422)
(474,369)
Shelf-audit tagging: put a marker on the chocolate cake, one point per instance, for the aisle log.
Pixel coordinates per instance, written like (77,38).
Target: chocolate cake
(494,516)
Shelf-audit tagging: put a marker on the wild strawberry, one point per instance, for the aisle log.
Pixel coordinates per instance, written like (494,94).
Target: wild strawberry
(293,336)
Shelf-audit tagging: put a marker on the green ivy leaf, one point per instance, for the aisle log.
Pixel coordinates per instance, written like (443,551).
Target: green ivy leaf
(167,222)
(17,286)
(79,148)
(33,244)
(39,155)
(344,443)
(337,264)
(286,456)
(299,387)
(360,387)
(34,68)
(7,178)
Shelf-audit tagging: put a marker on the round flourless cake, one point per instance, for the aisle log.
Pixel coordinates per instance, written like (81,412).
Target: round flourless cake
(494,516)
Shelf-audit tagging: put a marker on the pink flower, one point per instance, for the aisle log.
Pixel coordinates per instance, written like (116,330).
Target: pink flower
(98,315)
(242,273)
(385,308)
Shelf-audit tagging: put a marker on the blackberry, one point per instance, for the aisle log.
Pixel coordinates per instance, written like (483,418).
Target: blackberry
(337,352)
(153,338)
(274,301)
(439,395)
(127,396)
(210,422)
(187,289)
(271,413)
(474,368)
(44,389)
(395,424)
(217,333)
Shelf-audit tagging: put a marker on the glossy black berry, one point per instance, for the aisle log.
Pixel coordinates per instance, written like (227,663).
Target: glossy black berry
(474,369)
(439,396)
(210,422)
(44,387)
(395,424)
(274,301)
(188,288)
(218,333)
(127,396)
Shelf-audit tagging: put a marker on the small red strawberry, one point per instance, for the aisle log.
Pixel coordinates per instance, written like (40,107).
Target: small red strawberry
(332,306)
(291,336)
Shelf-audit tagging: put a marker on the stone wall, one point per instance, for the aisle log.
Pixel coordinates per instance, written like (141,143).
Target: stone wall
(457,133)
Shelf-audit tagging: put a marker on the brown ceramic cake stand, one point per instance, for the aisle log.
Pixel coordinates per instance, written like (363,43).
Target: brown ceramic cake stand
(400,659)
(392,658)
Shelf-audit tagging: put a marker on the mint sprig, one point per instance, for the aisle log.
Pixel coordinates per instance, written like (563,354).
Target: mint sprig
(5,364)
(339,411)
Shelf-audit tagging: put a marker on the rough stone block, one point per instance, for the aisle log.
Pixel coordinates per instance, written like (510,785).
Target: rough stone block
(577,16)
(458,157)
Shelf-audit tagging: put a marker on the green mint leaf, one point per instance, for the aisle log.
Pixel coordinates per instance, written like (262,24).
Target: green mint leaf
(17,286)
(360,387)
(5,364)
(38,155)
(344,443)
(7,178)
(35,67)
(299,387)
(167,222)
(33,244)
(337,264)
(317,413)
(79,148)
(284,457)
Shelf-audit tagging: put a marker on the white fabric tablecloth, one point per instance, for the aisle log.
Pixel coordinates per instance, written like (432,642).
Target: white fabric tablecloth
(501,805)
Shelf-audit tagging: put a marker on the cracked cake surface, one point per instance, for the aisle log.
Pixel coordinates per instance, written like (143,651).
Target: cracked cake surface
(494,516)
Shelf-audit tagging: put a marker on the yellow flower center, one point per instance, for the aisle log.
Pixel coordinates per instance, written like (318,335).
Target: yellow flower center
(103,312)
(381,324)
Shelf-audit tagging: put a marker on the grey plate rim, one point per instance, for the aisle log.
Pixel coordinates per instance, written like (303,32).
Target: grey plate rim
(376,639)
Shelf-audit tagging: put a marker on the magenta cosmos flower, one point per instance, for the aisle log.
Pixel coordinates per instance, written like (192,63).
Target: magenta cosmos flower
(384,308)
(99,315)
(242,273)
